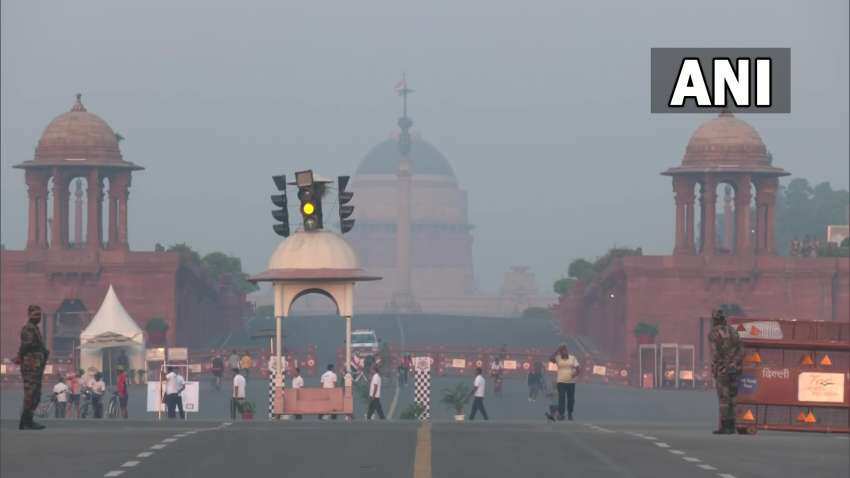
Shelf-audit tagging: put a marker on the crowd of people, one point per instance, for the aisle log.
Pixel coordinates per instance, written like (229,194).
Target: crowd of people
(80,394)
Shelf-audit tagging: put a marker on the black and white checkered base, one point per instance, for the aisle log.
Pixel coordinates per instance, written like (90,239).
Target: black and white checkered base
(422,392)
(272,376)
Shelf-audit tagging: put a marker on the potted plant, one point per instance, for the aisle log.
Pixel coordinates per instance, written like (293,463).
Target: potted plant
(246,408)
(156,329)
(412,412)
(645,333)
(456,398)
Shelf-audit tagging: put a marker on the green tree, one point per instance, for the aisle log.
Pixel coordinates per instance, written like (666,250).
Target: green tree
(219,264)
(803,210)
(186,253)
(563,285)
(581,269)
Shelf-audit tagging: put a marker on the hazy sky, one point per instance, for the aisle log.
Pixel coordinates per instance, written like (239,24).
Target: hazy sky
(541,107)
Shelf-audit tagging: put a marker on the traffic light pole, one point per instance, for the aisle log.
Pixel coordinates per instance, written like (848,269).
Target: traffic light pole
(278,333)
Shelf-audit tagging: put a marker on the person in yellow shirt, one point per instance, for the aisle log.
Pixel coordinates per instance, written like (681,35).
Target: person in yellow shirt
(245,363)
(568,370)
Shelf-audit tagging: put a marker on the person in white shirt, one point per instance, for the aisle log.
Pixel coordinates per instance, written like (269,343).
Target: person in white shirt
(238,393)
(478,386)
(568,371)
(329,380)
(181,385)
(98,388)
(297,382)
(60,391)
(375,395)
(172,392)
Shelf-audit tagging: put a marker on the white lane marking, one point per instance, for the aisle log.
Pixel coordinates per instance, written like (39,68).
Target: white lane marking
(676,452)
(115,473)
(181,435)
(725,475)
(839,437)
(169,440)
(691,459)
(158,446)
(144,454)
(130,464)
(706,467)
(649,437)
(662,444)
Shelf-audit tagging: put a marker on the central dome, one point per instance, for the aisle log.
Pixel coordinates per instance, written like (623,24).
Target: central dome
(425,159)
(728,140)
(78,136)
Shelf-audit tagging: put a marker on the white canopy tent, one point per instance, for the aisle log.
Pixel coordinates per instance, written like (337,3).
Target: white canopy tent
(112,327)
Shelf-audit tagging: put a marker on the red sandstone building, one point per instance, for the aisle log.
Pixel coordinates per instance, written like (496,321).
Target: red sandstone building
(69,276)
(709,266)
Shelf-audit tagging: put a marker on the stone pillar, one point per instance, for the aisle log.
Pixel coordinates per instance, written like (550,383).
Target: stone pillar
(708,203)
(743,197)
(121,184)
(680,189)
(689,212)
(41,212)
(766,201)
(33,191)
(94,202)
(60,194)
(112,228)
(78,214)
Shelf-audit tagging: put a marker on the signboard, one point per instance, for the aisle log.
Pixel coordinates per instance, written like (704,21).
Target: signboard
(459,363)
(599,370)
(760,329)
(820,387)
(195,368)
(154,355)
(686,374)
(509,364)
(48,369)
(178,353)
(190,397)
(422,363)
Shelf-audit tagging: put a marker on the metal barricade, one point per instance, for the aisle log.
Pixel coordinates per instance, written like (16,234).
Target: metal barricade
(796,375)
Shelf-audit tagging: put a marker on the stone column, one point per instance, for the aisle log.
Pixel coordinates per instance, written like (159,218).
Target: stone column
(681,192)
(766,197)
(94,203)
(41,212)
(689,212)
(708,203)
(33,190)
(743,197)
(112,228)
(60,189)
(121,184)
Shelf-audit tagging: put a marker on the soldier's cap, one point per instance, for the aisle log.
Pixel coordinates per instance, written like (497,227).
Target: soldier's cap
(32,310)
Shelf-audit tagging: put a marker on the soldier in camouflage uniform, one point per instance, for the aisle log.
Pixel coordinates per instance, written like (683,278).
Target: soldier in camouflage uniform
(726,365)
(32,357)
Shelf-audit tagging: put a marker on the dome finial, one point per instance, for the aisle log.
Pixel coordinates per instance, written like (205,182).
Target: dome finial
(726,112)
(78,105)
(404,122)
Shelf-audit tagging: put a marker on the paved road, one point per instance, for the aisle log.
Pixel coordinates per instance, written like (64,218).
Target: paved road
(409,449)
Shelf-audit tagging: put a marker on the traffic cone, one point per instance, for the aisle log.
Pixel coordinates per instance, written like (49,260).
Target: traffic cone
(807,360)
(825,361)
(801,417)
(748,416)
(810,418)
(754,358)
(740,328)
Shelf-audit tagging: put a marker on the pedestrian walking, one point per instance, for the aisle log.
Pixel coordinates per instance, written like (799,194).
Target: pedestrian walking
(32,356)
(238,396)
(233,361)
(181,385)
(123,391)
(172,390)
(98,389)
(568,370)
(60,393)
(478,386)
(375,395)
(297,382)
(328,380)
(74,394)
(726,366)
(217,370)
(535,381)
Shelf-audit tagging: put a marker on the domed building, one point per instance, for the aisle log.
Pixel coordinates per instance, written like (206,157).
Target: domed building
(740,267)
(68,276)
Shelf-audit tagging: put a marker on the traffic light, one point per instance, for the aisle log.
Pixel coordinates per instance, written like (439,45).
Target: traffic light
(310,195)
(281,215)
(345,211)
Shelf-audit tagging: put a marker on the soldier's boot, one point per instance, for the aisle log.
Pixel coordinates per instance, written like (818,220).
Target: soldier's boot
(730,427)
(27,422)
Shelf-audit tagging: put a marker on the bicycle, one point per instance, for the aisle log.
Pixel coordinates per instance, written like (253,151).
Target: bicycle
(87,406)
(113,408)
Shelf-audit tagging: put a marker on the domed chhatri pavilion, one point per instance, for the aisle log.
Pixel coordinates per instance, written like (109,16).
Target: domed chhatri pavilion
(68,274)
(733,261)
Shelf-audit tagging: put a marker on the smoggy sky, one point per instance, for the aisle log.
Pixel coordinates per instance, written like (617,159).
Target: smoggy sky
(542,108)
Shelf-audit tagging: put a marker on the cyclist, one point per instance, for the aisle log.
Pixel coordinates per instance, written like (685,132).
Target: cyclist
(217,370)
(122,390)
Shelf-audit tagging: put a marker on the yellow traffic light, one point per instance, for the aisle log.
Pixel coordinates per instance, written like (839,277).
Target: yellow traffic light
(308,208)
